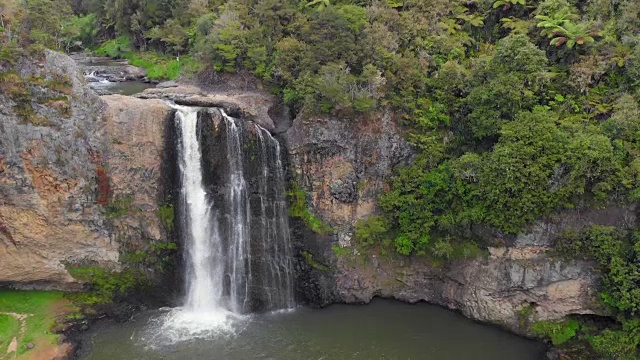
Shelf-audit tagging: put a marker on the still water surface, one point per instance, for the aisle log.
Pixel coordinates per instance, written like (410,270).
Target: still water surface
(382,330)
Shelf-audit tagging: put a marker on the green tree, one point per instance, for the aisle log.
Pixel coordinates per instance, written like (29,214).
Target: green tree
(171,34)
(82,29)
(561,29)
(43,22)
(549,24)
(572,34)
(537,167)
(507,4)
(512,81)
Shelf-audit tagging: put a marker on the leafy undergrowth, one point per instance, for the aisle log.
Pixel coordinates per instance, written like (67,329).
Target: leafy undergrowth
(158,66)
(558,332)
(298,208)
(42,309)
(161,67)
(105,286)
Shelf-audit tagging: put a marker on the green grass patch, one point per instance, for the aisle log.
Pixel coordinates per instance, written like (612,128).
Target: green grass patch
(298,208)
(158,66)
(41,305)
(9,328)
(162,67)
(524,314)
(119,207)
(116,47)
(166,214)
(340,251)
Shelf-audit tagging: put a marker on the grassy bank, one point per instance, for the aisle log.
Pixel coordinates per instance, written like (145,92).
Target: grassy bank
(158,66)
(28,317)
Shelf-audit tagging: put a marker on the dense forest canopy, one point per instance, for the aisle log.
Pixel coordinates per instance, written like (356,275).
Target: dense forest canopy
(517,108)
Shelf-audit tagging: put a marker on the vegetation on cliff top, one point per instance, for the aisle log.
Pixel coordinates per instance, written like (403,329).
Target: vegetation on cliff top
(517,109)
(158,66)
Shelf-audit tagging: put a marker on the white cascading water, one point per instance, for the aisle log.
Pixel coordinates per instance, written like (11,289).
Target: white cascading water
(220,281)
(275,230)
(259,260)
(204,282)
(204,313)
(239,221)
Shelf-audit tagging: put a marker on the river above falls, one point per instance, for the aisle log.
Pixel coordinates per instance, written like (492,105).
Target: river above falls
(384,329)
(130,87)
(111,76)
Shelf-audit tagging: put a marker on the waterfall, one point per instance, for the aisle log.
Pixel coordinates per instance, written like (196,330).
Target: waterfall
(239,221)
(233,215)
(204,278)
(275,229)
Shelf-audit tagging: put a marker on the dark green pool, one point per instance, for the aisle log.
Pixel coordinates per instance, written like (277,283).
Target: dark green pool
(382,330)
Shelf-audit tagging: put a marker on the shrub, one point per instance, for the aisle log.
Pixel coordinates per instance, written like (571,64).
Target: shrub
(558,332)
(119,207)
(166,215)
(298,208)
(313,262)
(373,230)
(618,344)
(105,286)
(116,48)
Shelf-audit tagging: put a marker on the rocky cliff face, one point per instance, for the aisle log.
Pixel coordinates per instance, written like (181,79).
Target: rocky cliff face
(140,168)
(65,156)
(48,210)
(517,281)
(343,165)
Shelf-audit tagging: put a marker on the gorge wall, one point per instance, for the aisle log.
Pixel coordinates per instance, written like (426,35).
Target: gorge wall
(63,165)
(343,166)
(48,209)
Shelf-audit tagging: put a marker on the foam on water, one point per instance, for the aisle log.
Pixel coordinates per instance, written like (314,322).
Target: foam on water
(182,324)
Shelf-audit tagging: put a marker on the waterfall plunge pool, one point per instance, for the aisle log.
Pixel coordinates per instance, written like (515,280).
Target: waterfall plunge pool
(384,329)
(238,260)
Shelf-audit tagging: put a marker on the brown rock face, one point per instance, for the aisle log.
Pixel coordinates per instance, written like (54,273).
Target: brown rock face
(344,165)
(84,189)
(492,289)
(48,210)
(136,130)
